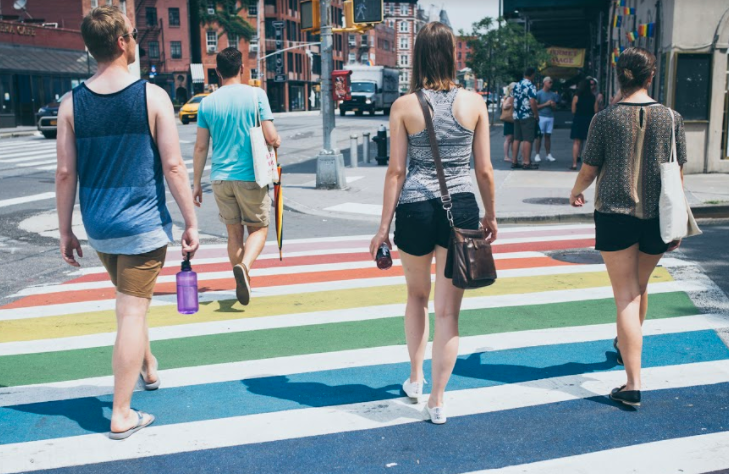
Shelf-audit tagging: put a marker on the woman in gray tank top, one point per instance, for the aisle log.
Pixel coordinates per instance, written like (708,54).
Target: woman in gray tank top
(413,198)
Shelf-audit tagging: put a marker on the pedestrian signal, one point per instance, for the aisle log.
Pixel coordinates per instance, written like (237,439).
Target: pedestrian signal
(367,11)
(310,16)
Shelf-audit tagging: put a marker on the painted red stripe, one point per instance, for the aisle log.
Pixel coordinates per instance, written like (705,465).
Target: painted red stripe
(265,281)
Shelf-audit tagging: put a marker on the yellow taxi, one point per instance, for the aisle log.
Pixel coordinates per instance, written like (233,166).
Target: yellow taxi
(188,112)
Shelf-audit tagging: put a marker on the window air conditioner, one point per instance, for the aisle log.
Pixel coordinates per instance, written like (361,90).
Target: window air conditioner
(253,48)
(212,49)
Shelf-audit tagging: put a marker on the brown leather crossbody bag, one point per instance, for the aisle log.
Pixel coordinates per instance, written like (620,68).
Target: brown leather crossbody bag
(470,263)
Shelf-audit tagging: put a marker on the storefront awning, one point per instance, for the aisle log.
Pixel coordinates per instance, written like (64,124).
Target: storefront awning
(24,58)
(197,73)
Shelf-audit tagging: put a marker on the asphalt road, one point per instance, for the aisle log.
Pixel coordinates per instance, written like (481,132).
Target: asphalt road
(27,171)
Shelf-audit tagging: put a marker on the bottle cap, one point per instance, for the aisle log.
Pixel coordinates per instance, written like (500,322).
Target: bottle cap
(186,267)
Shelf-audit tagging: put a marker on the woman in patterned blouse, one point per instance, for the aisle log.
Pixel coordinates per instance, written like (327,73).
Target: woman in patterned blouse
(626,144)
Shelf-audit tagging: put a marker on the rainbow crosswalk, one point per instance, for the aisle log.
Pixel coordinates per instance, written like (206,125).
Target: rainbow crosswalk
(307,378)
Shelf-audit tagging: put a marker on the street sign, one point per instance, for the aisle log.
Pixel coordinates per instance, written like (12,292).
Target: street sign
(279,78)
(367,11)
(279,73)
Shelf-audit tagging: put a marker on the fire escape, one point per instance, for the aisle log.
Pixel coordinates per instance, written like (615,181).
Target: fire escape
(151,37)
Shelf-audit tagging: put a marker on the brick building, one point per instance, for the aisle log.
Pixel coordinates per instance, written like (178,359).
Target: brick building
(407,18)
(164,41)
(376,47)
(463,52)
(42,54)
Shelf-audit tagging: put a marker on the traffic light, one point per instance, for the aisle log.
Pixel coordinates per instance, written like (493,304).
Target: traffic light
(310,16)
(367,11)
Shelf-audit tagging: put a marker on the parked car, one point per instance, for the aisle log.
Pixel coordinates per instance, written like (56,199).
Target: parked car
(47,118)
(188,112)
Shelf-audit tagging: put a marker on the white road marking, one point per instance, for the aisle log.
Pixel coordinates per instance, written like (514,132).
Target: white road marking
(26,199)
(356,208)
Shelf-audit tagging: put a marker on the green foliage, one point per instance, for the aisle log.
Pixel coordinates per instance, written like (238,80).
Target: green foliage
(226,15)
(500,54)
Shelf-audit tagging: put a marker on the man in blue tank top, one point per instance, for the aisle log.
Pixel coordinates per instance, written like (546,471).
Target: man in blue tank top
(226,116)
(117,142)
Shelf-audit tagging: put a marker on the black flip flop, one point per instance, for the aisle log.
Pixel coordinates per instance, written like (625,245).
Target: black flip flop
(119,435)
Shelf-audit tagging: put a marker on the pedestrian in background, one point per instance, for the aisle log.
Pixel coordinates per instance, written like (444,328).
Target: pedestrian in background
(584,107)
(525,120)
(507,118)
(599,98)
(226,116)
(626,146)
(117,136)
(546,104)
(422,225)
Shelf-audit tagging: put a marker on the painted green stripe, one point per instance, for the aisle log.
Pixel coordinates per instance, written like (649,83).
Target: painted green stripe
(280,342)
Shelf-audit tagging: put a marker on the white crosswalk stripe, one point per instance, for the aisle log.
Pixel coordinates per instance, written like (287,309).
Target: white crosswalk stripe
(30,155)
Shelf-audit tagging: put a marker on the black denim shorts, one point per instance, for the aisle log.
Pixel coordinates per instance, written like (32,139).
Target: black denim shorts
(615,232)
(420,226)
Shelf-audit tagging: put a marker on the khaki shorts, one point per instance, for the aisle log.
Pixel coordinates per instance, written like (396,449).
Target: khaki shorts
(134,275)
(242,202)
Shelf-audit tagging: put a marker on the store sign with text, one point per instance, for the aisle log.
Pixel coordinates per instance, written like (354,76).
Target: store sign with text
(566,57)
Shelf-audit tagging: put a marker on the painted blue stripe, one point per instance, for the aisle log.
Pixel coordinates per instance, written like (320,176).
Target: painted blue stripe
(467,443)
(353,385)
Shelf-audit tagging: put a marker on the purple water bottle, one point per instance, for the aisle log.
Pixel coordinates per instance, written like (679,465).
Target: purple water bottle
(187,300)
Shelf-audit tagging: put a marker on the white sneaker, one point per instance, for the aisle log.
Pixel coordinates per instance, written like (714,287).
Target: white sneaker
(551,158)
(537,159)
(437,415)
(414,390)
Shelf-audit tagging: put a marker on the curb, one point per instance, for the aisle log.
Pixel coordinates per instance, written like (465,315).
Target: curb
(19,134)
(700,212)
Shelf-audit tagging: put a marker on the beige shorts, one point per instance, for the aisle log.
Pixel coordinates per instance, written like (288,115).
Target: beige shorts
(134,275)
(242,202)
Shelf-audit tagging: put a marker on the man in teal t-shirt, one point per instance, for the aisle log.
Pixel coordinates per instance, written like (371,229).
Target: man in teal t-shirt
(227,116)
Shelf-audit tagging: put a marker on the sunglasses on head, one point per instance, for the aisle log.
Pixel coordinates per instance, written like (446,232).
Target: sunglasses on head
(134,33)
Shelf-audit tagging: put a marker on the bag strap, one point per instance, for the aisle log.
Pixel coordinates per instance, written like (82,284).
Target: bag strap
(674,155)
(258,109)
(445,196)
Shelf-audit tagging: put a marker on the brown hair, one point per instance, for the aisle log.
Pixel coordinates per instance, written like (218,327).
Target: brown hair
(101,29)
(229,62)
(635,67)
(434,65)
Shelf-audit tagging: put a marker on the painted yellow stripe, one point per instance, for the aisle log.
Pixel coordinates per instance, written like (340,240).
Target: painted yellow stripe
(102,322)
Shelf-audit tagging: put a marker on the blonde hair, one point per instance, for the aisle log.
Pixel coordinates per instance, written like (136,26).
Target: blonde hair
(101,29)
(434,65)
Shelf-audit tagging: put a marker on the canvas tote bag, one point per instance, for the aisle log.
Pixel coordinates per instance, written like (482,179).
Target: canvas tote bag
(675,217)
(264,156)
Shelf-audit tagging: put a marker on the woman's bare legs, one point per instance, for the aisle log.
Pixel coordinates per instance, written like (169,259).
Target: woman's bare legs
(576,144)
(417,331)
(629,272)
(445,340)
(508,139)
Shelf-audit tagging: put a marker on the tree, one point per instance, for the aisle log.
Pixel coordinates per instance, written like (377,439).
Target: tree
(226,15)
(500,55)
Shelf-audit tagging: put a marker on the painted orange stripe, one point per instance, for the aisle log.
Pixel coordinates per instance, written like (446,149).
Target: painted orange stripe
(264,281)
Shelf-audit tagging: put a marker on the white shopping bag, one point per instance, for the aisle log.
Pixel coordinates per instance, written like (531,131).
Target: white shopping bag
(264,156)
(672,205)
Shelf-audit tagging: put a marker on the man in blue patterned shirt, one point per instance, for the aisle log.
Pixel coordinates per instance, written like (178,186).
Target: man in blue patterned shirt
(525,120)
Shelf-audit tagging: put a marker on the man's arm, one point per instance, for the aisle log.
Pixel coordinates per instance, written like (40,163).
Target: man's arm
(533,105)
(199,158)
(66,181)
(175,171)
(270,133)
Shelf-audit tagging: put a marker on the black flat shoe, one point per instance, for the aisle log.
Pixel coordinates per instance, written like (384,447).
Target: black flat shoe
(626,397)
(620,356)
(516,166)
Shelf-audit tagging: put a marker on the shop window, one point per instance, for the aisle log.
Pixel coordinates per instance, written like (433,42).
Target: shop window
(692,86)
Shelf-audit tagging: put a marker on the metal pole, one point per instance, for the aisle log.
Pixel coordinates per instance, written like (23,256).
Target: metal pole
(327,66)
(329,163)
(353,151)
(366,147)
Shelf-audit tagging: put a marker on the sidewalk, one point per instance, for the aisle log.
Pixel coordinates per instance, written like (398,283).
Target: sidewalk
(23,131)
(521,196)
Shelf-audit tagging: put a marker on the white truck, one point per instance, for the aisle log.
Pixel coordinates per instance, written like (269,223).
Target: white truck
(373,88)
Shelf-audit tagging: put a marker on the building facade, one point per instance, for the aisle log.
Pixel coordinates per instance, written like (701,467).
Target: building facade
(164,41)
(406,18)
(42,54)
(376,47)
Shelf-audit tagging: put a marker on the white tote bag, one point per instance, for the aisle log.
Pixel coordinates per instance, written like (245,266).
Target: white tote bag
(675,218)
(264,157)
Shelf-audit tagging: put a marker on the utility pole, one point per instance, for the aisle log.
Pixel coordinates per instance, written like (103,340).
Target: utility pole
(329,163)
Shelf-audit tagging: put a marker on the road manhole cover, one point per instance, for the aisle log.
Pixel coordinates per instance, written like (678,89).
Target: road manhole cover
(582,257)
(551,201)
